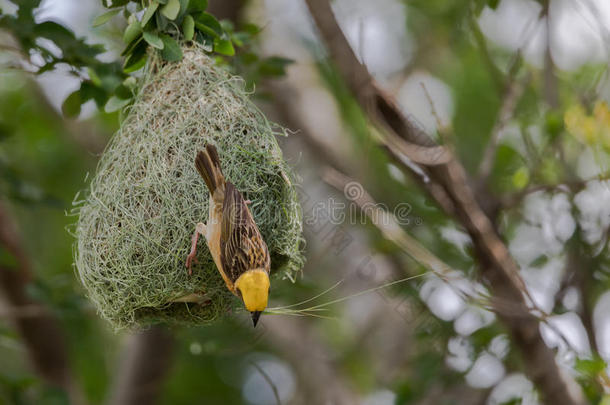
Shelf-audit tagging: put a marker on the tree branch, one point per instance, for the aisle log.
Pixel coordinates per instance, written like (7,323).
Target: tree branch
(496,265)
(511,96)
(39,330)
(550,80)
(580,270)
(573,187)
(146,362)
(479,38)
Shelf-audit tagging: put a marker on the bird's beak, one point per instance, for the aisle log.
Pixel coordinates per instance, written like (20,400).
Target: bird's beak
(255,316)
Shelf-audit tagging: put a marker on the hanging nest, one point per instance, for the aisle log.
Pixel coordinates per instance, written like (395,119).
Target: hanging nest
(135,225)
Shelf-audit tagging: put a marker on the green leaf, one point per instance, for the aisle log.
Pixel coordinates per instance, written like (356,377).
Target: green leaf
(153,39)
(539,261)
(162,22)
(251,29)
(55,32)
(553,124)
(248,58)
(115,3)
(115,104)
(206,40)
(123,92)
(208,20)
(136,59)
(171,9)
(188,27)
(198,5)
(88,91)
(130,48)
(227,26)
(204,29)
(104,18)
(95,78)
(184,4)
(240,38)
(134,63)
(171,50)
(71,105)
(224,47)
(150,11)
(131,83)
(590,367)
(132,31)
(274,66)
(493,4)
(521,177)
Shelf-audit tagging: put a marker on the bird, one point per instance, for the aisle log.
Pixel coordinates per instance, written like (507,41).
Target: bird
(233,238)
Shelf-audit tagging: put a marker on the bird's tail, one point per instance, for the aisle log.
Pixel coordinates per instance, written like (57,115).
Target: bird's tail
(208,166)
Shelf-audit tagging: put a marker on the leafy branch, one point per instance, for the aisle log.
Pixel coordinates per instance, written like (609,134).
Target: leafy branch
(152,25)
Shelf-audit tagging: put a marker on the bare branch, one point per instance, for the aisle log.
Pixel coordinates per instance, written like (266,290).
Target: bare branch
(495,262)
(550,80)
(479,38)
(512,95)
(269,381)
(401,133)
(388,225)
(390,228)
(580,270)
(283,95)
(510,89)
(573,187)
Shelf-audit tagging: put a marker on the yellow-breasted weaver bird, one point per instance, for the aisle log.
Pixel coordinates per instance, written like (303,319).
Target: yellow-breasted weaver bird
(236,244)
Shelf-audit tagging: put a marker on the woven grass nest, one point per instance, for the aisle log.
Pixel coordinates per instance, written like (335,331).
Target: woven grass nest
(135,224)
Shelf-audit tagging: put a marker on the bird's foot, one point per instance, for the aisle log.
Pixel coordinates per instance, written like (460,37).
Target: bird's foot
(200,229)
(190,259)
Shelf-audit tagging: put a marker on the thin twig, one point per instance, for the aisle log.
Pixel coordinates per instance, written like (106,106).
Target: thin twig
(573,187)
(389,227)
(550,79)
(479,37)
(439,124)
(269,381)
(511,91)
(512,96)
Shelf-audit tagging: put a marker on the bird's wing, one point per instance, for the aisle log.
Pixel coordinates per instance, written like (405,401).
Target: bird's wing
(242,247)
(207,163)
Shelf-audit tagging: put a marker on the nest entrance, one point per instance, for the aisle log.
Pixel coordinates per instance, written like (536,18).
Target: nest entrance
(134,228)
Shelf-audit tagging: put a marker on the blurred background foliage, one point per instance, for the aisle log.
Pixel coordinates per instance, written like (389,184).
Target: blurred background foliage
(469,72)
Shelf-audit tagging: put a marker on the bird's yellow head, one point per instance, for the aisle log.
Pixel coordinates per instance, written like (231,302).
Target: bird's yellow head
(254,288)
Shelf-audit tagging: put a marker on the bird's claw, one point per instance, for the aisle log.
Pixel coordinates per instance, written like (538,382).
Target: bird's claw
(190,259)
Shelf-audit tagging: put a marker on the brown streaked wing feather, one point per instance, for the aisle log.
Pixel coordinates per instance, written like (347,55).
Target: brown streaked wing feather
(207,163)
(242,247)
